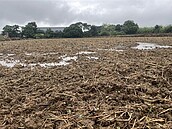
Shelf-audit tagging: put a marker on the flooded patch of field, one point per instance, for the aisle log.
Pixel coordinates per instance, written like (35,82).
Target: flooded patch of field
(9,63)
(149,46)
(64,60)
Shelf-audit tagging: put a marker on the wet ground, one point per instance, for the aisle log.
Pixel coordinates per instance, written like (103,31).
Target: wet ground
(86,83)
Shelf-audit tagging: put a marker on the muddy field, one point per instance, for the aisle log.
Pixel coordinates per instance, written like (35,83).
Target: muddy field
(96,83)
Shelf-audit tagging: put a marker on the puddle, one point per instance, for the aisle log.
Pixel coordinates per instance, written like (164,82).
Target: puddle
(62,56)
(51,53)
(55,53)
(2,55)
(85,52)
(9,63)
(70,58)
(94,58)
(149,46)
(29,54)
(61,63)
(65,61)
(30,65)
(44,54)
(111,49)
(119,50)
(10,54)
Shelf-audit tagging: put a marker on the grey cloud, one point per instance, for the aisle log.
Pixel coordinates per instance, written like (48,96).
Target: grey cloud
(21,11)
(64,12)
(144,12)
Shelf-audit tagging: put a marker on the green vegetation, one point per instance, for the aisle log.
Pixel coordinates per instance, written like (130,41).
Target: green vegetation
(79,30)
(11,31)
(29,31)
(2,38)
(73,31)
(145,30)
(129,27)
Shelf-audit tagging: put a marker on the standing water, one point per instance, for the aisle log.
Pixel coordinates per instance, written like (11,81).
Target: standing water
(149,46)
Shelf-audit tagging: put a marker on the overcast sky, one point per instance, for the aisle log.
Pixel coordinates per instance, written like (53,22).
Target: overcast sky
(65,12)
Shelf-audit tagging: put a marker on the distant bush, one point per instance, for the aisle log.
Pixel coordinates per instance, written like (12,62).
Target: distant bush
(145,30)
(104,33)
(2,38)
(129,27)
(39,36)
(168,29)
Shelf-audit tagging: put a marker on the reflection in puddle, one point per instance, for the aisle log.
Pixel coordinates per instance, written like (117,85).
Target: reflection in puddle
(149,46)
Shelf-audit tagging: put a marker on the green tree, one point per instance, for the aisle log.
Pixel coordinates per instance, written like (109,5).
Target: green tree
(107,30)
(30,30)
(84,26)
(168,29)
(157,29)
(118,28)
(38,31)
(129,27)
(58,34)
(11,31)
(49,33)
(40,34)
(93,31)
(73,31)
(145,30)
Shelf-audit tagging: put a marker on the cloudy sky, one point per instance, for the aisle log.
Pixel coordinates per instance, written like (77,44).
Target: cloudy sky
(65,12)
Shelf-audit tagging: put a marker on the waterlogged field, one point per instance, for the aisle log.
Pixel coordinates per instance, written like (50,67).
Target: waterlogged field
(99,83)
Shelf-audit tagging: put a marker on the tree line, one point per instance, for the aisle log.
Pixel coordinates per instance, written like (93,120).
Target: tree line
(79,30)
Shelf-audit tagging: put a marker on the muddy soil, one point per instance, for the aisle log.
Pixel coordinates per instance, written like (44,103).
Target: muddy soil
(109,84)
